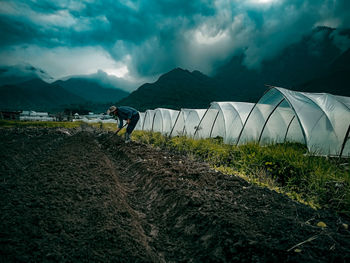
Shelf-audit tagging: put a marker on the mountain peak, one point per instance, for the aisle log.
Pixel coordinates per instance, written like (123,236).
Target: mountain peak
(92,89)
(178,88)
(176,71)
(199,74)
(174,74)
(178,74)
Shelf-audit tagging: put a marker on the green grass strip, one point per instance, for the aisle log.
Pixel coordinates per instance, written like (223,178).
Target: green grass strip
(46,124)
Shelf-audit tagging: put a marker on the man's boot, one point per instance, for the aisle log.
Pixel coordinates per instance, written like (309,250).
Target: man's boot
(127,137)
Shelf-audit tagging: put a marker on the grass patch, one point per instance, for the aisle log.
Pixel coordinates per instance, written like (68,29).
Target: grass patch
(47,124)
(286,168)
(56,124)
(105,126)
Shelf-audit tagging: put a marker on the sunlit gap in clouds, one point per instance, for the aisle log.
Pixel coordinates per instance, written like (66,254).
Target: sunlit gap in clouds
(206,39)
(263,2)
(119,72)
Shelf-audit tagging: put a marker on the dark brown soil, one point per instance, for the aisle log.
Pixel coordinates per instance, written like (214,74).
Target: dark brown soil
(84,195)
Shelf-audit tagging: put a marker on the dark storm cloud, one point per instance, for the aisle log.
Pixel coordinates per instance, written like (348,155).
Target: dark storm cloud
(93,22)
(153,36)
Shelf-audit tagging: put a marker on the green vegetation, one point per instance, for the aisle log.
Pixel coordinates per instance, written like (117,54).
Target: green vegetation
(48,124)
(61,124)
(286,168)
(105,126)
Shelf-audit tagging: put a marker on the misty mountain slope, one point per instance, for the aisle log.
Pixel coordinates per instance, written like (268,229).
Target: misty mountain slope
(237,79)
(35,94)
(91,90)
(334,80)
(298,63)
(11,75)
(176,89)
(342,63)
(304,60)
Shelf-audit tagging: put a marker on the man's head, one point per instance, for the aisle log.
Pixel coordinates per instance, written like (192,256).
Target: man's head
(112,110)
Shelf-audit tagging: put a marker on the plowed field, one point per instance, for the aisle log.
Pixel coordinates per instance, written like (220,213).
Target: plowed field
(85,196)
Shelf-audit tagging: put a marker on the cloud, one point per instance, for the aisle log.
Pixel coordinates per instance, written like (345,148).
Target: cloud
(20,73)
(149,37)
(113,81)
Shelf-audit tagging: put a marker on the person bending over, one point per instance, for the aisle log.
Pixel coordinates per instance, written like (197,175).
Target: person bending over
(129,114)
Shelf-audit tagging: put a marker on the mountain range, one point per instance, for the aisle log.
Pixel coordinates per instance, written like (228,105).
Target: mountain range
(176,89)
(36,94)
(313,64)
(90,90)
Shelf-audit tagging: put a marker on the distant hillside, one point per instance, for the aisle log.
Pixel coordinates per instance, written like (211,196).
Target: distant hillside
(175,89)
(91,90)
(37,95)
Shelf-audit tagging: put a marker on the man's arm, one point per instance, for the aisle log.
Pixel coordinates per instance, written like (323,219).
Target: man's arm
(129,116)
(120,126)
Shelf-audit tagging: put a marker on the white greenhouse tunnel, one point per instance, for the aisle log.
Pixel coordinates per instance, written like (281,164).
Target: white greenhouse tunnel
(139,124)
(224,119)
(319,120)
(164,120)
(346,142)
(148,120)
(186,122)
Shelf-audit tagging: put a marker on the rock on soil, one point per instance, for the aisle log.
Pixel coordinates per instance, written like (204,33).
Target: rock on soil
(86,196)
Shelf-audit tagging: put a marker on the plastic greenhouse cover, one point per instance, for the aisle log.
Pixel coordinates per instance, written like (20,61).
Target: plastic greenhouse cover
(344,100)
(346,142)
(139,124)
(324,121)
(282,126)
(337,113)
(187,121)
(224,119)
(319,117)
(192,121)
(148,120)
(179,126)
(319,120)
(255,123)
(164,120)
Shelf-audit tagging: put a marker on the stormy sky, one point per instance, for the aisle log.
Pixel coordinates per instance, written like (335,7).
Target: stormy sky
(136,41)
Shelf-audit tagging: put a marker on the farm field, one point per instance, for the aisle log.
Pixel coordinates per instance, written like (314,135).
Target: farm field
(82,194)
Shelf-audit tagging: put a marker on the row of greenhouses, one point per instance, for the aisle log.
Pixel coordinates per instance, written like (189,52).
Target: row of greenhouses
(321,121)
